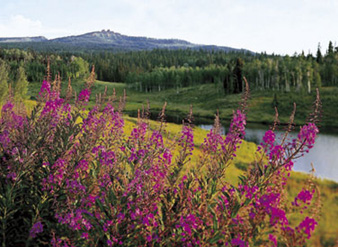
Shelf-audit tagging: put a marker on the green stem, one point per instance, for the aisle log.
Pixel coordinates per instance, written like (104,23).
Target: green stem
(4,228)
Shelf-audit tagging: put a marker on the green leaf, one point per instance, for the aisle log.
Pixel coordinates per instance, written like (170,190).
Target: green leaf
(235,209)
(216,238)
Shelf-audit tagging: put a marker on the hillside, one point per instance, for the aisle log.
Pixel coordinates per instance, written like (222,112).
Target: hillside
(106,40)
(23,39)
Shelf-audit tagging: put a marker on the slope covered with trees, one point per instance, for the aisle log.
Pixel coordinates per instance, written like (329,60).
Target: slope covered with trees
(172,71)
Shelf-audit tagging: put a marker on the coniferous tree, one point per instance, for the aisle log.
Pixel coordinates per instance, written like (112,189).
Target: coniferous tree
(238,81)
(3,81)
(330,49)
(319,56)
(21,85)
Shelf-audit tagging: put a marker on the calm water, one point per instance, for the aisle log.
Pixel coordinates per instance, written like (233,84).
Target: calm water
(324,154)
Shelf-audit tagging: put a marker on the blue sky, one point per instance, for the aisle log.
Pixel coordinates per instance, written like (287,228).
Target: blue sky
(279,26)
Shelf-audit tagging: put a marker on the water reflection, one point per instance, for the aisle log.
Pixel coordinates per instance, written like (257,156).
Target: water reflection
(324,154)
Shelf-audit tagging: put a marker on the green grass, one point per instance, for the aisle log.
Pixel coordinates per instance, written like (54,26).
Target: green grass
(207,99)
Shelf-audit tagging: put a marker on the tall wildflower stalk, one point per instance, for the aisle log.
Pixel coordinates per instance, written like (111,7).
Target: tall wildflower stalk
(71,177)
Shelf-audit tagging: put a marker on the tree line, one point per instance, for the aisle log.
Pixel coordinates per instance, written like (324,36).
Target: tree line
(157,70)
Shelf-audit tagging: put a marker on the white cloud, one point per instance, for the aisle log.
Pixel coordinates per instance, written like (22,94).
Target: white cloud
(18,26)
(21,26)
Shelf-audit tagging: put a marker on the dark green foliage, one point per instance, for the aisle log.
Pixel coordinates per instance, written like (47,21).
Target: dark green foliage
(22,201)
(242,166)
(157,69)
(20,85)
(3,80)
(238,74)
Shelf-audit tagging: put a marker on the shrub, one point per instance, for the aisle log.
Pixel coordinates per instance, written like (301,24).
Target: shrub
(73,178)
(241,166)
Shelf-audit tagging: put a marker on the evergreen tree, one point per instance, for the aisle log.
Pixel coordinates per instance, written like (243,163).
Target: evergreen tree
(3,81)
(21,85)
(238,82)
(330,49)
(319,56)
(275,101)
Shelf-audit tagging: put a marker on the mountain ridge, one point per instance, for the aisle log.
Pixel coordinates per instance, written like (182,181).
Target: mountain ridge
(106,39)
(22,39)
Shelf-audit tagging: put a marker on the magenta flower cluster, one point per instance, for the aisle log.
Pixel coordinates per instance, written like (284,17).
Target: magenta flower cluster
(36,229)
(84,182)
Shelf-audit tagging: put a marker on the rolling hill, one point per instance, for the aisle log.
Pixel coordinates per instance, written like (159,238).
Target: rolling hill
(106,40)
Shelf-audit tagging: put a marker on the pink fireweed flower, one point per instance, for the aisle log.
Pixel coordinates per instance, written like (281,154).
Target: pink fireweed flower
(75,220)
(277,215)
(149,220)
(84,95)
(269,200)
(304,196)
(156,139)
(106,158)
(12,176)
(54,107)
(45,90)
(105,181)
(75,186)
(239,243)
(10,118)
(107,225)
(306,137)
(308,134)
(115,120)
(55,178)
(187,138)
(273,239)
(7,107)
(269,138)
(133,155)
(85,235)
(307,226)
(236,132)
(289,165)
(189,223)
(212,141)
(37,228)
(247,190)
(276,153)
(138,133)
(238,220)
(5,139)
(269,203)
(82,166)
(238,123)
(166,157)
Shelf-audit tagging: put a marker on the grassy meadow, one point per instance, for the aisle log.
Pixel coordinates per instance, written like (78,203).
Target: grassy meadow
(207,98)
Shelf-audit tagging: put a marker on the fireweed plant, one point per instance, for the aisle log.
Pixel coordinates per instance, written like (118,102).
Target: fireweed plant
(71,177)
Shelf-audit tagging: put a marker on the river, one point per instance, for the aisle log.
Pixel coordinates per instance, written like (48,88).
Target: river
(324,154)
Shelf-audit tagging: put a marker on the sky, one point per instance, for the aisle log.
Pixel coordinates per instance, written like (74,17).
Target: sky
(272,26)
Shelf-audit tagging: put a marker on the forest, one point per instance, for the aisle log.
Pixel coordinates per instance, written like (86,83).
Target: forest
(157,70)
